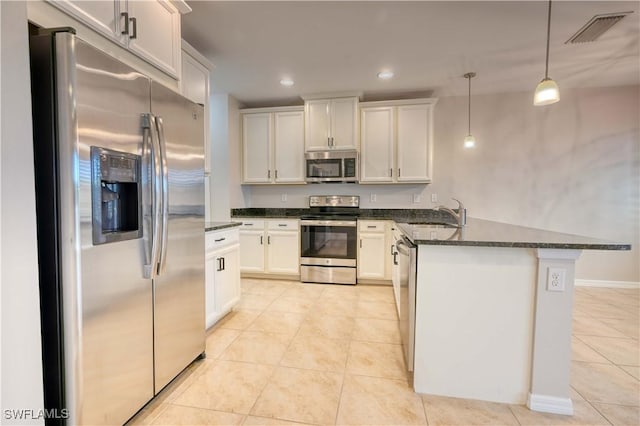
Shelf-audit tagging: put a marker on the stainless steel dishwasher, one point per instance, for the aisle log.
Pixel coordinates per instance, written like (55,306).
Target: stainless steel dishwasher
(407,257)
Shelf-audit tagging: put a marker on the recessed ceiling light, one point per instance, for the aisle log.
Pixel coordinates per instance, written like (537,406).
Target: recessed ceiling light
(287,82)
(385,75)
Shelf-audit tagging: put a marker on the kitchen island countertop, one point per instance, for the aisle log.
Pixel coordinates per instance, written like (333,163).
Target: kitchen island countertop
(485,233)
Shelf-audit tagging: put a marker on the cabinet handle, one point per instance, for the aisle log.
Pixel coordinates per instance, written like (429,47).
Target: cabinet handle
(360,242)
(223,265)
(392,247)
(220,239)
(371,226)
(282,224)
(332,143)
(219,260)
(134,33)
(248,224)
(399,172)
(391,172)
(125,15)
(261,240)
(268,239)
(276,174)
(395,258)
(268,174)
(328,141)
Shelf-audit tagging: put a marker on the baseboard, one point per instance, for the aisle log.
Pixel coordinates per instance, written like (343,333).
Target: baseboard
(607,284)
(281,277)
(550,404)
(374,282)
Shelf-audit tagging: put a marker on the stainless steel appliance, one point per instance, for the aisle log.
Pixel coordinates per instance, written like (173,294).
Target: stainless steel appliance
(332,166)
(405,257)
(328,240)
(119,178)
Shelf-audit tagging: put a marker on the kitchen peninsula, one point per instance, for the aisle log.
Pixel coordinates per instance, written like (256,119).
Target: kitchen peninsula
(493,309)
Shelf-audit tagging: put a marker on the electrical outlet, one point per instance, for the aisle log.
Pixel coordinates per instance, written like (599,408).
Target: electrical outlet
(373,198)
(434,198)
(416,198)
(556,279)
(283,198)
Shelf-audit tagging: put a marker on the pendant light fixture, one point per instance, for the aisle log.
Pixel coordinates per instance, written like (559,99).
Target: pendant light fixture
(547,91)
(469,140)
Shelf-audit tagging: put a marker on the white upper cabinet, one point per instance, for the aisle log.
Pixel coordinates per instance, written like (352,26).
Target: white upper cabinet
(150,29)
(331,123)
(397,141)
(154,33)
(288,146)
(256,148)
(194,85)
(377,144)
(273,145)
(414,143)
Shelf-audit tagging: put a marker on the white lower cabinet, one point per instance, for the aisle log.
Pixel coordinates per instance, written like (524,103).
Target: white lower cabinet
(222,272)
(269,246)
(372,250)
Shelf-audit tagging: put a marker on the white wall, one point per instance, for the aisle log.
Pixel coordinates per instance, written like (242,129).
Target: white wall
(571,167)
(21,352)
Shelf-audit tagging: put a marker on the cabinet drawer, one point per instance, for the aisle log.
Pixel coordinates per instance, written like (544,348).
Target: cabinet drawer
(218,239)
(250,223)
(371,225)
(283,224)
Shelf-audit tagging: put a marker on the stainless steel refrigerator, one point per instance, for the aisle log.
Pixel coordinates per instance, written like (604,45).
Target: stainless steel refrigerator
(119,171)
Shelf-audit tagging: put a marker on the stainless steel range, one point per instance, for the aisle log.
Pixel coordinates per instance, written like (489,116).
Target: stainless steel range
(328,240)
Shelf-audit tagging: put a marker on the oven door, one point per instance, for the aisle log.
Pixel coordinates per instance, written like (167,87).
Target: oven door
(328,242)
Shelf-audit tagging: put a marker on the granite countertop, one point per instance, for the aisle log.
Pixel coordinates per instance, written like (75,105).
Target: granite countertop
(214,226)
(485,233)
(399,215)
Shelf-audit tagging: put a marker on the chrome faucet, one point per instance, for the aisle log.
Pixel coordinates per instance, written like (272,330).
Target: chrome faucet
(460,217)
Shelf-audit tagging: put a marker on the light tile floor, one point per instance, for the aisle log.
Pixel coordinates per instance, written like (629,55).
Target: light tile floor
(293,353)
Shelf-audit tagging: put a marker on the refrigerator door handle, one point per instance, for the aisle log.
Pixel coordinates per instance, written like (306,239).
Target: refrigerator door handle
(150,134)
(162,143)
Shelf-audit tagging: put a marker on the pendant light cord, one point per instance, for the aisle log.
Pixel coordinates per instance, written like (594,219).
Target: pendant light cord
(469,129)
(546,65)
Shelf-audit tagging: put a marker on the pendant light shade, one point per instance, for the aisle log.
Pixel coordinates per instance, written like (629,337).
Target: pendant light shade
(547,91)
(469,140)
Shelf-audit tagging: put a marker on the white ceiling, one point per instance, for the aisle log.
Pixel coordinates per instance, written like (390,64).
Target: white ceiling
(340,46)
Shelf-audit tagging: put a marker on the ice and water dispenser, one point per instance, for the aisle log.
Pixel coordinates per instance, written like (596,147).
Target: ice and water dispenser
(115,195)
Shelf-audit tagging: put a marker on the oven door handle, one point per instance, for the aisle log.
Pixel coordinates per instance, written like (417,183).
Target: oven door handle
(328,223)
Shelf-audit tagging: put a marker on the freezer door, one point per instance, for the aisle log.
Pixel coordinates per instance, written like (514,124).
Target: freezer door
(179,312)
(117,301)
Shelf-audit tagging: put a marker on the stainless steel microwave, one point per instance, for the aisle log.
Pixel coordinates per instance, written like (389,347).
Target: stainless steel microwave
(332,166)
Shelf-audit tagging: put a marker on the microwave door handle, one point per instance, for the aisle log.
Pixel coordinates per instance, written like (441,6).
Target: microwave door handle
(162,143)
(151,151)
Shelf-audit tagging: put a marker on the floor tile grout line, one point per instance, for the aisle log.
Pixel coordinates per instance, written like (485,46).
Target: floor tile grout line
(603,355)
(344,376)
(514,414)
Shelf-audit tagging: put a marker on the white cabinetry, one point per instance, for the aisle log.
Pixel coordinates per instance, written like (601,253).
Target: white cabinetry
(150,29)
(331,123)
(372,250)
(222,272)
(269,246)
(397,141)
(273,145)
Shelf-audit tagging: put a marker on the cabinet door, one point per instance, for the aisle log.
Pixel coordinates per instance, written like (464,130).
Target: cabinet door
(289,147)
(317,124)
(155,33)
(371,256)
(376,153)
(252,251)
(194,83)
(344,123)
(210,267)
(101,15)
(414,143)
(283,252)
(227,282)
(256,148)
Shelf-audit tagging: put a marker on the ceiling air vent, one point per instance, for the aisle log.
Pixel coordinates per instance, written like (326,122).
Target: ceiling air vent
(596,26)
